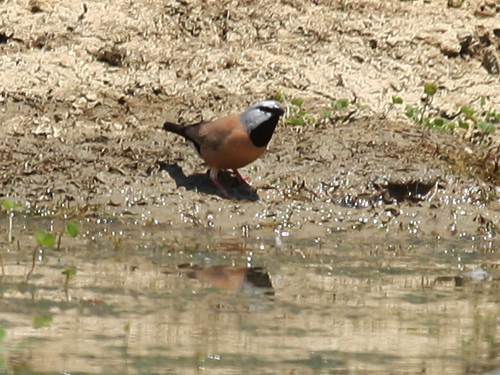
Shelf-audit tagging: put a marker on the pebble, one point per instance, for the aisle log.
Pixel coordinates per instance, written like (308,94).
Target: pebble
(450,44)
(91,97)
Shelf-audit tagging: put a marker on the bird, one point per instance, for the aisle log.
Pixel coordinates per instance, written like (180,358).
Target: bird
(252,280)
(232,142)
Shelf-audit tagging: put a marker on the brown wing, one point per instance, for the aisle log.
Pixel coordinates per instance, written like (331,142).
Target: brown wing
(212,135)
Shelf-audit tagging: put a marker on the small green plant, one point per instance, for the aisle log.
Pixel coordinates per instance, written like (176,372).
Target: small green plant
(336,113)
(469,118)
(420,115)
(411,111)
(279,97)
(486,127)
(9,206)
(297,116)
(44,238)
(126,330)
(484,121)
(41,321)
(397,100)
(430,89)
(71,229)
(326,114)
(340,104)
(69,272)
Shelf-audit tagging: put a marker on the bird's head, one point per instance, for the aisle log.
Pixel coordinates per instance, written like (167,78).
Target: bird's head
(261,113)
(260,120)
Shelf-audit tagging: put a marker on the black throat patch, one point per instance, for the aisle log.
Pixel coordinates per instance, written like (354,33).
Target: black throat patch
(261,135)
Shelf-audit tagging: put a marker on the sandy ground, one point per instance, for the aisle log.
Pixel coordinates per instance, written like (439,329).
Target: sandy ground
(86,86)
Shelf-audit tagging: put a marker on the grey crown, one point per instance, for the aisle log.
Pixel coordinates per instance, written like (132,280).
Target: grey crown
(259,113)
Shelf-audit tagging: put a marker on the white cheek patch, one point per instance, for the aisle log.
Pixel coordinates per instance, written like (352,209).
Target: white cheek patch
(253,118)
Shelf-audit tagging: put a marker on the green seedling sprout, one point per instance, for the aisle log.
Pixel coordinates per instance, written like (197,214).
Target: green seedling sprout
(126,329)
(279,97)
(411,111)
(41,321)
(297,114)
(438,123)
(469,113)
(492,115)
(71,229)
(340,104)
(9,206)
(43,239)
(484,120)
(472,116)
(326,114)
(397,100)
(430,89)
(296,121)
(420,116)
(486,127)
(69,272)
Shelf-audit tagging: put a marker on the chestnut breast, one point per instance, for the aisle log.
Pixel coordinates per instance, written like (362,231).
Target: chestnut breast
(225,143)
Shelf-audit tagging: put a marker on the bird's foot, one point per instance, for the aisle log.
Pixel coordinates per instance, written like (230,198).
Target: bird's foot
(224,194)
(241,178)
(222,191)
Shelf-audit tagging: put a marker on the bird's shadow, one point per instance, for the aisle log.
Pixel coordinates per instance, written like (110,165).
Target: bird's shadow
(201,182)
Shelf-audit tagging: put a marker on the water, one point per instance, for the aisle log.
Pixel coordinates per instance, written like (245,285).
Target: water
(156,300)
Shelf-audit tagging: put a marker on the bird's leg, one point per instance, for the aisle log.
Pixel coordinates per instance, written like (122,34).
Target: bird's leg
(213,176)
(241,178)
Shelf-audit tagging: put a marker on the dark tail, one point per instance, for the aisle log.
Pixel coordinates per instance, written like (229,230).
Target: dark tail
(174,128)
(181,130)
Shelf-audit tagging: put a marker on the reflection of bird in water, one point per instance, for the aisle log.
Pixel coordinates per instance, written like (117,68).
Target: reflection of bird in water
(253,280)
